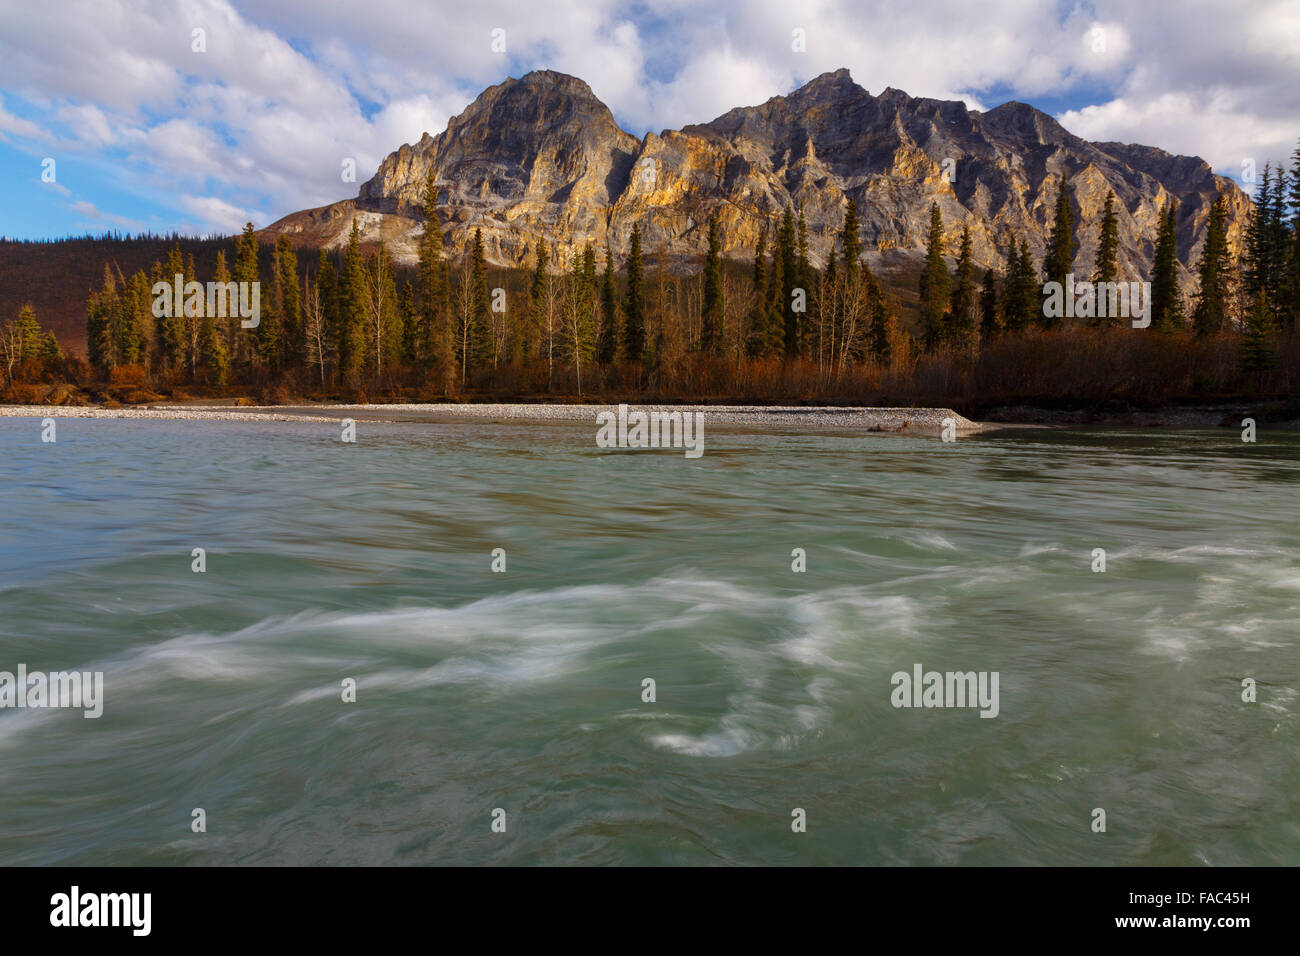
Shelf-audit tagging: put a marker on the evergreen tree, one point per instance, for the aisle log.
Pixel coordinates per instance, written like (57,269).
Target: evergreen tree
(935,281)
(1166,299)
(1293,279)
(963,331)
(1270,244)
(214,357)
(1258,352)
(29,336)
(480,328)
(769,333)
(327,288)
(290,302)
(1106,264)
(537,303)
(1020,298)
(246,270)
(990,324)
(1058,262)
(269,333)
(134,318)
(634,302)
(582,308)
(851,240)
(433,335)
(607,347)
(1257,237)
(883,324)
(409,319)
(756,340)
(99,310)
(351,304)
(787,244)
(1211,308)
(711,317)
(170,329)
(806,281)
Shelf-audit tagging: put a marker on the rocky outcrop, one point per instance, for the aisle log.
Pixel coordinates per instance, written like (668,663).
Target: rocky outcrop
(541,158)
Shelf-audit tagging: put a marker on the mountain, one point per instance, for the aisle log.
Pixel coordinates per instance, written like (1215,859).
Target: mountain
(541,157)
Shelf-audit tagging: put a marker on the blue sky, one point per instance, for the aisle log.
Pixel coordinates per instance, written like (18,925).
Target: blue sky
(151,129)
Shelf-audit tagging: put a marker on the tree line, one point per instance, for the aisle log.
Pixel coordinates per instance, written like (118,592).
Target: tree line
(352,322)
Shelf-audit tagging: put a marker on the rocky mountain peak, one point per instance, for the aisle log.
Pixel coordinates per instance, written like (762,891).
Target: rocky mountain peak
(541,158)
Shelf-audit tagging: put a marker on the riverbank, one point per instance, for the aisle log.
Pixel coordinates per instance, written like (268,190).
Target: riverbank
(915,421)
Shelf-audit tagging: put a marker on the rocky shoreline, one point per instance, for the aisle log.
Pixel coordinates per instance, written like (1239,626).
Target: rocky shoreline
(903,420)
(917,421)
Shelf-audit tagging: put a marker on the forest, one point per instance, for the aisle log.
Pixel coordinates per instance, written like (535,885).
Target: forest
(351,325)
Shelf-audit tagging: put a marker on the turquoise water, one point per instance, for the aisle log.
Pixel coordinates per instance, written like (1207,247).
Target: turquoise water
(522,690)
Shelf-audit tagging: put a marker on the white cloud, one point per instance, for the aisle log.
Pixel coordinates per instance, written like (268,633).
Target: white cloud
(262,120)
(217,214)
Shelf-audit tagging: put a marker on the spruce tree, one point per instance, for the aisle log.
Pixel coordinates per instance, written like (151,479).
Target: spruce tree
(851,240)
(1211,310)
(290,303)
(170,329)
(1106,264)
(100,308)
(582,322)
(1257,236)
(807,320)
(1258,353)
(269,335)
(607,345)
(962,330)
(1166,298)
(134,317)
(634,302)
(756,340)
(537,302)
(1061,246)
(935,281)
(711,313)
(327,287)
(352,309)
(434,332)
(880,313)
(770,332)
(480,344)
(989,323)
(1293,279)
(246,270)
(1020,299)
(214,357)
(787,244)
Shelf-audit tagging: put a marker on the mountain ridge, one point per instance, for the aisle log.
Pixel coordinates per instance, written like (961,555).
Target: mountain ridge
(542,158)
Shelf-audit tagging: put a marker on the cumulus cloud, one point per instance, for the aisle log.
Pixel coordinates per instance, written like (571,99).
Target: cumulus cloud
(258,122)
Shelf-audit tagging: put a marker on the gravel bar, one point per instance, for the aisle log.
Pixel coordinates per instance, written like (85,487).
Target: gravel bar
(922,421)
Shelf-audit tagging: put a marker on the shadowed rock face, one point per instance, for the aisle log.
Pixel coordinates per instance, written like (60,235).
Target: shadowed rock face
(542,158)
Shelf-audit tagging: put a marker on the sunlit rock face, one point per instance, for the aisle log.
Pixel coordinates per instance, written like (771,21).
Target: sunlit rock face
(541,158)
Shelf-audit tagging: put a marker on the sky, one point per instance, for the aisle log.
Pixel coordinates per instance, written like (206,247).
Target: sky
(197,116)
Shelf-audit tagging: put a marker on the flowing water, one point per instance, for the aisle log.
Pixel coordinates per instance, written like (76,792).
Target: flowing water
(523,690)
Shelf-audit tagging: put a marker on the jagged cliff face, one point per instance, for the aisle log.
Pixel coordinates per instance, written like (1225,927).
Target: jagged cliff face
(541,158)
